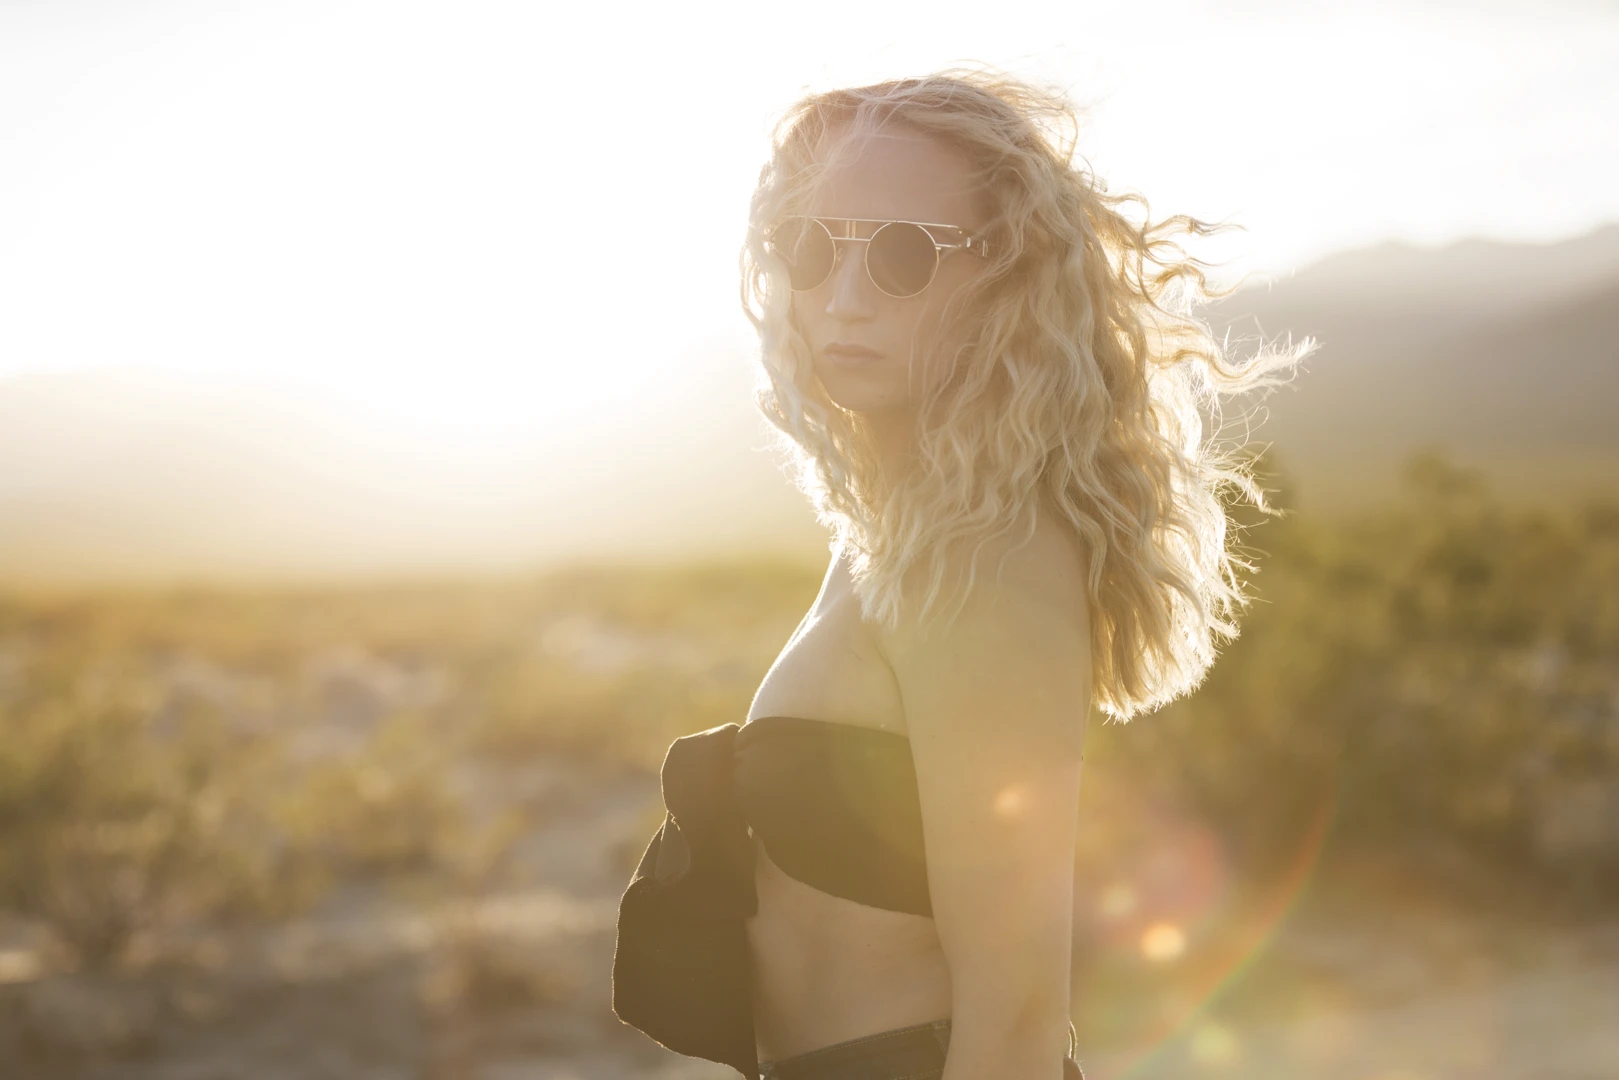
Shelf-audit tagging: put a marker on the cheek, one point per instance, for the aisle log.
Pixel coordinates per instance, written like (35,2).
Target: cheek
(801,315)
(941,327)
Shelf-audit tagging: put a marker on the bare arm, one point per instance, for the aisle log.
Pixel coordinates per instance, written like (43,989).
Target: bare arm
(996,706)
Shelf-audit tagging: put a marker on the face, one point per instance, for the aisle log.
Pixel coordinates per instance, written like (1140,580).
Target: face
(875,354)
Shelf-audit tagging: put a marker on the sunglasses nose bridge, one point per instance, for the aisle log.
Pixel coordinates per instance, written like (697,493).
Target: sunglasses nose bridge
(865,260)
(849,281)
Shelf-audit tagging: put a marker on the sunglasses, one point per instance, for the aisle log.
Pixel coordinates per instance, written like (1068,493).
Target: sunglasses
(902,257)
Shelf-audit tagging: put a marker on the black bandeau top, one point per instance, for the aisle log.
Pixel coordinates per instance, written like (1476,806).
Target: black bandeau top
(835,806)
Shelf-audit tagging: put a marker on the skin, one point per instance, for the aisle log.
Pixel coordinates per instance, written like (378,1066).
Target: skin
(904,176)
(994,705)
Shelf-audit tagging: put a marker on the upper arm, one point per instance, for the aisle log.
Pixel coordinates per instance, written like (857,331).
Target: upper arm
(996,704)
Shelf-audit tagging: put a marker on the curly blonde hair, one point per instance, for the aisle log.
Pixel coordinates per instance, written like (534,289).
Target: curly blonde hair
(1076,385)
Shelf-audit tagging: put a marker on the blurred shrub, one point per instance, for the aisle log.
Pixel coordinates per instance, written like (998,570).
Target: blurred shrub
(387,808)
(1446,669)
(1441,674)
(536,703)
(115,813)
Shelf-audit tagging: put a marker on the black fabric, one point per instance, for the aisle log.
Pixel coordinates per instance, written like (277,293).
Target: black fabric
(916,1052)
(681,962)
(835,806)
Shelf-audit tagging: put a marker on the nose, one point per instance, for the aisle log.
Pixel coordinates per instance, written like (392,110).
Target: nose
(849,291)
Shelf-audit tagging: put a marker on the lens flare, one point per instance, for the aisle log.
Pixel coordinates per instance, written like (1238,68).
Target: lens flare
(1215,1045)
(1010,802)
(1205,964)
(1118,901)
(1163,942)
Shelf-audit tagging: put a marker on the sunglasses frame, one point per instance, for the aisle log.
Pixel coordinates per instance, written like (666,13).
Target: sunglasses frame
(848,227)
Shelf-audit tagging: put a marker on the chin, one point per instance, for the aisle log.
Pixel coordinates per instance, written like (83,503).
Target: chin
(861,392)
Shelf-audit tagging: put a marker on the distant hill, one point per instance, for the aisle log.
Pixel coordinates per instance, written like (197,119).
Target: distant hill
(147,477)
(1506,354)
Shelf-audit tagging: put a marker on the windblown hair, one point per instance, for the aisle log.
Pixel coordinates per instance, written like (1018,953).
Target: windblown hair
(1076,385)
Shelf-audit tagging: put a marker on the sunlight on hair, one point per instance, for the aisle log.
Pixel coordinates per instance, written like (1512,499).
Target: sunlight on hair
(1163,942)
(1075,378)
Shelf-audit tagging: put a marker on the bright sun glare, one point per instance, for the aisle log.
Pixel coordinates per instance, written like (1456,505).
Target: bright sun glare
(478,231)
(448,211)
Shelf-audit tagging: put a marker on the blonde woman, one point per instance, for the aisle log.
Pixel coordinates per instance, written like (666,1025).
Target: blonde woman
(991,376)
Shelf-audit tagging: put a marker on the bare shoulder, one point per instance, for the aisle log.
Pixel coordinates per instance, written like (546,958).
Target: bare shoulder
(1016,644)
(1047,569)
(1016,584)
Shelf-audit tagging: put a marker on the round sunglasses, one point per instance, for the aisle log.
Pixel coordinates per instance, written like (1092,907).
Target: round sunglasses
(902,257)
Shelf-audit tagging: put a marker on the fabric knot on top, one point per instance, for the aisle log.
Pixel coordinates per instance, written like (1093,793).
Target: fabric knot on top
(834,805)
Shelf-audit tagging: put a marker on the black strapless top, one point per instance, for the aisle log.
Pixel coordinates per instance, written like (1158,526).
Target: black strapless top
(835,806)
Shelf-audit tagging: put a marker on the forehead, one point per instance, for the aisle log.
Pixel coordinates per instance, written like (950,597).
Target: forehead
(897,173)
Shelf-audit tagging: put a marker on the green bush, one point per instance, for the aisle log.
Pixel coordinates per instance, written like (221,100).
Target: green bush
(1441,673)
(387,808)
(116,814)
(1446,668)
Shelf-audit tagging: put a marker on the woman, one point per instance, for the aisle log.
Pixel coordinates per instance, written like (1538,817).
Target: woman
(991,380)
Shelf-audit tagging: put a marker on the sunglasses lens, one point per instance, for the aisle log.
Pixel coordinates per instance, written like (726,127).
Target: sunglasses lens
(901,258)
(808,250)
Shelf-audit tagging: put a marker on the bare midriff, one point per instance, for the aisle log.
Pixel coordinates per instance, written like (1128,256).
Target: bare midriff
(826,969)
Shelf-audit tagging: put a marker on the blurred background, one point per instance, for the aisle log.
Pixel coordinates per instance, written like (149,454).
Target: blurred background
(380,493)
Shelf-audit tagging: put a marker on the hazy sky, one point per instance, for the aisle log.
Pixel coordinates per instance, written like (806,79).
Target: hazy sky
(481,217)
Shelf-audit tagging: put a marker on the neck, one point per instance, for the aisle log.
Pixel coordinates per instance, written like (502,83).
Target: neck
(892,438)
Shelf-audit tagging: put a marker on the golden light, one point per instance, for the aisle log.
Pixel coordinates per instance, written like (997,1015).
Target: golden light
(1163,942)
(500,302)
(1326,1035)
(1118,901)
(1214,1045)
(1011,801)
(375,785)
(18,965)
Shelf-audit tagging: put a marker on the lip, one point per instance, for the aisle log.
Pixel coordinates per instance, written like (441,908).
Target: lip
(847,352)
